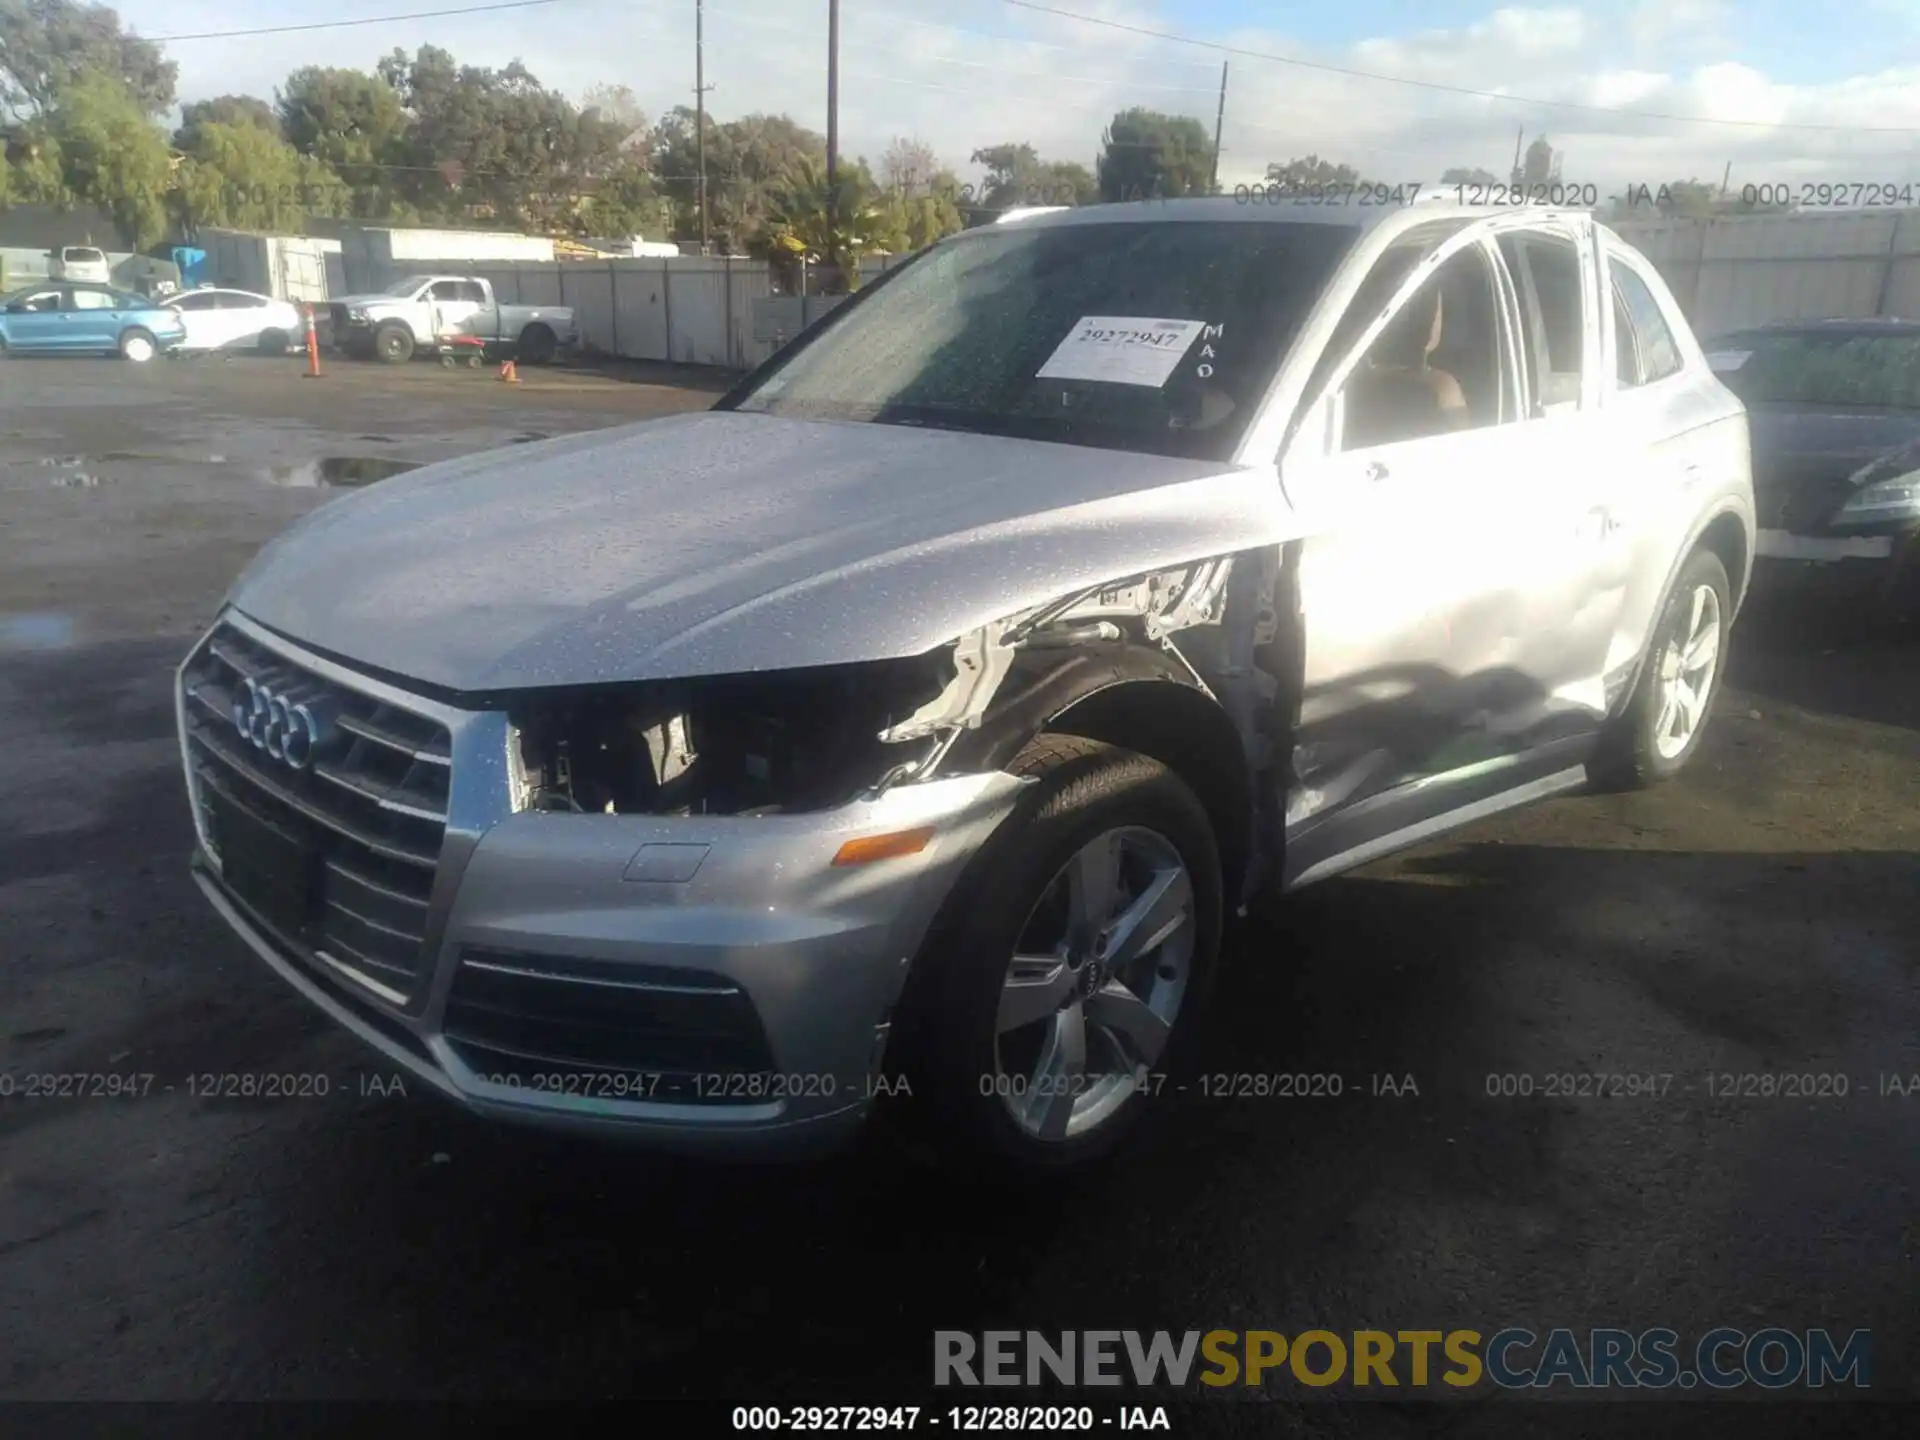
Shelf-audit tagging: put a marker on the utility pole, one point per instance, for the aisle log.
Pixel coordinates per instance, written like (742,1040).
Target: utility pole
(833,129)
(700,115)
(1519,134)
(1725,176)
(1219,119)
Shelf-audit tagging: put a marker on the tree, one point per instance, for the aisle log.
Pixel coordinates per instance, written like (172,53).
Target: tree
(1309,171)
(1016,175)
(245,176)
(1464,175)
(47,46)
(354,124)
(1145,154)
(805,212)
(110,155)
(499,145)
(908,167)
(618,105)
(1541,165)
(750,163)
(224,110)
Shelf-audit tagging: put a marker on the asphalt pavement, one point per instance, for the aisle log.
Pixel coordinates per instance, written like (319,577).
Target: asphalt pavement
(1759,917)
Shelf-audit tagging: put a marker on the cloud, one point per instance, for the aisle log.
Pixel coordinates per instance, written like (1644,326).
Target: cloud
(974,72)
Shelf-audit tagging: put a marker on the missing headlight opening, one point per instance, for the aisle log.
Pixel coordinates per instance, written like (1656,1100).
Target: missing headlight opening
(726,745)
(798,740)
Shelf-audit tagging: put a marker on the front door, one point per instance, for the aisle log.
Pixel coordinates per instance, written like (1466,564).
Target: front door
(1428,569)
(456,303)
(35,322)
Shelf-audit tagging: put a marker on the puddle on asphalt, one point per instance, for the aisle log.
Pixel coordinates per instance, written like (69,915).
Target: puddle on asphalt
(45,630)
(338,471)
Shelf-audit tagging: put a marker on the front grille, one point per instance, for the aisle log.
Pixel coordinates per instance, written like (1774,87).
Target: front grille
(1799,495)
(603,1030)
(338,855)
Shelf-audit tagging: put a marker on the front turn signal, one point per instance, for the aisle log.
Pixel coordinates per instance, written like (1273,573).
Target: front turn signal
(883,847)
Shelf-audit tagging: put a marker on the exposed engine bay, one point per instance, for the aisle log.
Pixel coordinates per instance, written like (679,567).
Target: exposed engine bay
(795,740)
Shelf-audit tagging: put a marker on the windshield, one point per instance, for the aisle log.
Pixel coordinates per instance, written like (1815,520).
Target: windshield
(1159,336)
(84,257)
(405,288)
(1806,368)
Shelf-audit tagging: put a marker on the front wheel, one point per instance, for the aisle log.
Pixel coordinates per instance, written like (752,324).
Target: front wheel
(393,343)
(138,346)
(1660,728)
(1068,972)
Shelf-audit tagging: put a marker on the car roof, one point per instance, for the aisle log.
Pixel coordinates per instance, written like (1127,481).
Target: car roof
(1256,208)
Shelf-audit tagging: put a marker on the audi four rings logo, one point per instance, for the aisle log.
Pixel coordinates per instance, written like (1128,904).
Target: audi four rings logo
(288,724)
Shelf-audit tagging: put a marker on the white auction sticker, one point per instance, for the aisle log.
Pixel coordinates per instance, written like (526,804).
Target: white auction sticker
(1121,350)
(1719,360)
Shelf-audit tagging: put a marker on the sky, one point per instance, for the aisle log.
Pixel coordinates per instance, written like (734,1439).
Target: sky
(963,74)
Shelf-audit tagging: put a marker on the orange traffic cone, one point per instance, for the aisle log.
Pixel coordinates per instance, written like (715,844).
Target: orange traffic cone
(510,373)
(313,348)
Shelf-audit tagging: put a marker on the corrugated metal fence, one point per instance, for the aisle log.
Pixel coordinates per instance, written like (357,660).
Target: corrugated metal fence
(688,309)
(1744,270)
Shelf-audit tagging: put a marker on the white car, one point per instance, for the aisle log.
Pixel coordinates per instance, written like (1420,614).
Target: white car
(218,319)
(79,262)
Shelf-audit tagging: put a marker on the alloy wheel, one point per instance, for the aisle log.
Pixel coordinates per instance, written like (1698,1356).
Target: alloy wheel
(1689,663)
(1095,984)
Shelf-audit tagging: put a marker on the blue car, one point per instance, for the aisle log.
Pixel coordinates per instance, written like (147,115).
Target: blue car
(73,317)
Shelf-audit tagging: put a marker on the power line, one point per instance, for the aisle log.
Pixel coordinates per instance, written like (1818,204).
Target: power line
(1439,85)
(342,24)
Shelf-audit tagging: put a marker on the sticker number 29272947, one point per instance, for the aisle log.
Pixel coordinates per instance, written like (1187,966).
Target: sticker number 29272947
(1121,350)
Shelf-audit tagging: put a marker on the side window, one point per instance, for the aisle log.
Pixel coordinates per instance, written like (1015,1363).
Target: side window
(1546,272)
(1436,368)
(237,300)
(1626,359)
(473,290)
(447,290)
(94,300)
(200,300)
(1659,353)
(45,300)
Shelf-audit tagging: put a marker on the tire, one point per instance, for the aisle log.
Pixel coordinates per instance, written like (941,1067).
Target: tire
(273,342)
(969,1070)
(137,345)
(393,343)
(1642,746)
(537,345)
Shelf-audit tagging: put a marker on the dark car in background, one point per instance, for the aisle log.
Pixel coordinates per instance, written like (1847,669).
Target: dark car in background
(1834,413)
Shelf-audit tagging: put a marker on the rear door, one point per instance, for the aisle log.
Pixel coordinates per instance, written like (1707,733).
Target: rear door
(1552,265)
(242,317)
(1681,437)
(95,318)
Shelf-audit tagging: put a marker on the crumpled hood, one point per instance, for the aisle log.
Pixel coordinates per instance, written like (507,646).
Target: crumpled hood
(720,542)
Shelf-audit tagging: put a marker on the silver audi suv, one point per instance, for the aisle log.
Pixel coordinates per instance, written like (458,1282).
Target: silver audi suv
(903,729)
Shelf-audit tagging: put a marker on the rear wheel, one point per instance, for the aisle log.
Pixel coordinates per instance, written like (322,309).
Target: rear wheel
(138,346)
(393,343)
(1661,726)
(537,344)
(1070,968)
(273,342)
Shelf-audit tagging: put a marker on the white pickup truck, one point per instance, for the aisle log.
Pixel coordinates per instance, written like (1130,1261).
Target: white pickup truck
(434,313)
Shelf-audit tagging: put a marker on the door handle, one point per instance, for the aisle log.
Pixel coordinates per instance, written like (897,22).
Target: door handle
(1598,523)
(1691,474)
(1375,472)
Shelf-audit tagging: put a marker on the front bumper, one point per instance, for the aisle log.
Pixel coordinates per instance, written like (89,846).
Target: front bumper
(1879,568)
(703,984)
